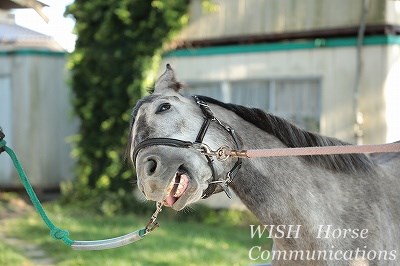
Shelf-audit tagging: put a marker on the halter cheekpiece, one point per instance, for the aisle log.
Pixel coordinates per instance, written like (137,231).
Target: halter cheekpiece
(202,148)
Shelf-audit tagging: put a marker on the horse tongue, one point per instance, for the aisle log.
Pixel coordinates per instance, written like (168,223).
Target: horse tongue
(170,200)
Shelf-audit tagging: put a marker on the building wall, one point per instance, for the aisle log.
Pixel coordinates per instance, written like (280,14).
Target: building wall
(379,94)
(335,67)
(392,11)
(254,17)
(41,116)
(5,120)
(235,40)
(391,91)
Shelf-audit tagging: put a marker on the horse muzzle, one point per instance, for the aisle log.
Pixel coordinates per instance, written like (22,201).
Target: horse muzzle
(164,175)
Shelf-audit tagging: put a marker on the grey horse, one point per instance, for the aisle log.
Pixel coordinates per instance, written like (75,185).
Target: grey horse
(345,209)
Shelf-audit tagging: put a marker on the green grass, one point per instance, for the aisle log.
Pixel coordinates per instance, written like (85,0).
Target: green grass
(174,243)
(10,256)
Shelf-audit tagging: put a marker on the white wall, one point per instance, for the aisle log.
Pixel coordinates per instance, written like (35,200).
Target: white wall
(41,117)
(5,124)
(392,94)
(334,66)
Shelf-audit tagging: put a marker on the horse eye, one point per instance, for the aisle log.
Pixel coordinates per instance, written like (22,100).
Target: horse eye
(163,107)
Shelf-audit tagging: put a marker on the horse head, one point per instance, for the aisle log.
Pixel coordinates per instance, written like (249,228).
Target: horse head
(165,143)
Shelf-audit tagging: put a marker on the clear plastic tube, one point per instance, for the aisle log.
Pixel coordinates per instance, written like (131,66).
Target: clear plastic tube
(109,243)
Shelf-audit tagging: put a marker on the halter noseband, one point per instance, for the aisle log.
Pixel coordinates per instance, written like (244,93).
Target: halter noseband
(201,147)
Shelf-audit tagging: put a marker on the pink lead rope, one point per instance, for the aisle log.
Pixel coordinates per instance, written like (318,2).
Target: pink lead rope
(325,150)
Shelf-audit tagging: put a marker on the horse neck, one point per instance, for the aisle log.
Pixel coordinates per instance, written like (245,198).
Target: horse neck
(265,180)
(287,190)
(277,190)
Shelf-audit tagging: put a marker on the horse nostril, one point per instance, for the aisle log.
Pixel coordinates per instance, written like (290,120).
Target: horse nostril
(151,166)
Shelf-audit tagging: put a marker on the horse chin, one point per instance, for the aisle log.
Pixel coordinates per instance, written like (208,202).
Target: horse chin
(182,190)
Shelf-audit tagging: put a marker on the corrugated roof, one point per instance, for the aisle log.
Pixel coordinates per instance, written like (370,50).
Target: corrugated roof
(10,4)
(14,37)
(36,5)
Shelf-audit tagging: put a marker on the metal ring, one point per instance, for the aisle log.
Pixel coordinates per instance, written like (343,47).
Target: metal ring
(222,153)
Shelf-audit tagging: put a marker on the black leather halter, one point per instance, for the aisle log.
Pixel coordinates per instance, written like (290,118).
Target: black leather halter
(200,146)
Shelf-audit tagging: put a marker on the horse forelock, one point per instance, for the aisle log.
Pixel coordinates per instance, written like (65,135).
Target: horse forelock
(294,137)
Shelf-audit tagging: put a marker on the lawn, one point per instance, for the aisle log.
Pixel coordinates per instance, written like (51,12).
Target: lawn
(174,243)
(10,256)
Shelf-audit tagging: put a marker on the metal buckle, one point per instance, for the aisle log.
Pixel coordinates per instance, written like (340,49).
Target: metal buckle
(199,102)
(152,224)
(224,185)
(222,153)
(3,142)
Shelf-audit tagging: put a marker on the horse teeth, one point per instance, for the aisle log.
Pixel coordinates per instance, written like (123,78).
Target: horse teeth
(178,186)
(178,193)
(169,189)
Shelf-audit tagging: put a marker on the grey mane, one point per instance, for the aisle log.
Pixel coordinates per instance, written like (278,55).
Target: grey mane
(292,136)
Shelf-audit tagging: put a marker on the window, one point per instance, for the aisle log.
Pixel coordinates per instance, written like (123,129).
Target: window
(297,100)
(251,94)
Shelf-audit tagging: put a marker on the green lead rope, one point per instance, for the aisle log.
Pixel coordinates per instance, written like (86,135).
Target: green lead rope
(55,232)
(61,234)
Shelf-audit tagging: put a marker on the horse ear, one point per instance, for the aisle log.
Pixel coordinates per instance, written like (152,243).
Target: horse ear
(167,81)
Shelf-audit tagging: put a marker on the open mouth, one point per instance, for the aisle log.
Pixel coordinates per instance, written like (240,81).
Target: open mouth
(176,188)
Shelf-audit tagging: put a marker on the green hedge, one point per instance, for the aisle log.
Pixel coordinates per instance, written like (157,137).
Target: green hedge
(119,42)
